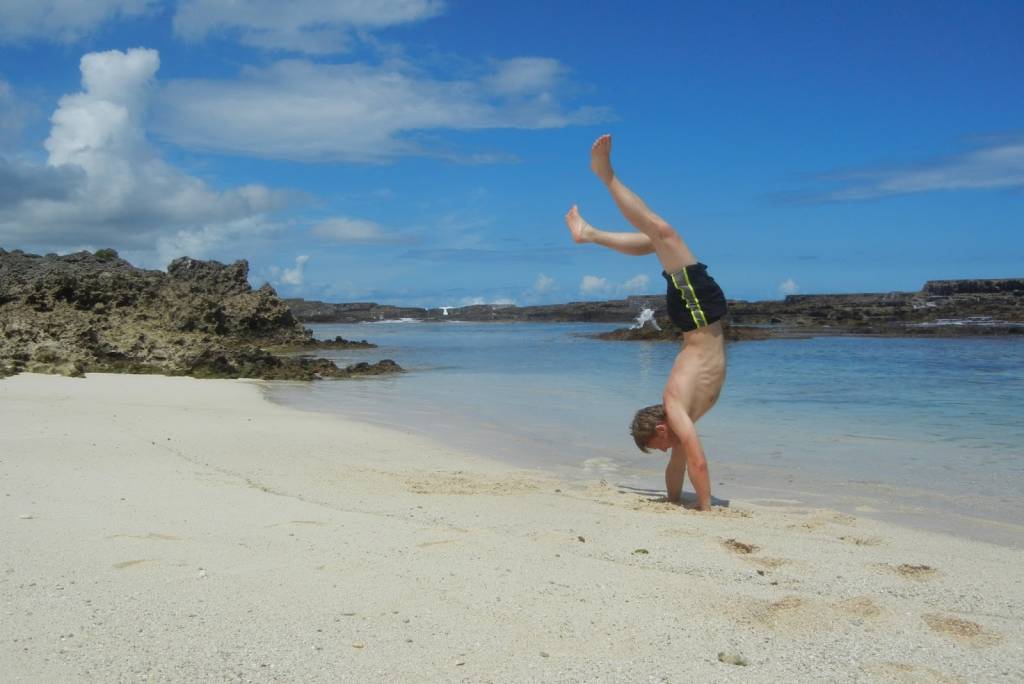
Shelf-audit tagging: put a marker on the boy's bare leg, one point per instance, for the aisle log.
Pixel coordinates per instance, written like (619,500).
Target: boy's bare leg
(669,246)
(633,244)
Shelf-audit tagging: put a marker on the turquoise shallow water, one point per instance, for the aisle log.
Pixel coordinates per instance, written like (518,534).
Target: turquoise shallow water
(928,432)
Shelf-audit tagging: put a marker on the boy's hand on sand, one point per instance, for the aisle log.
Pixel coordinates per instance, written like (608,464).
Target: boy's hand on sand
(600,159)
(683,503)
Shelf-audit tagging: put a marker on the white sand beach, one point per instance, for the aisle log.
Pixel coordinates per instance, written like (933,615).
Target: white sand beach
(181,530)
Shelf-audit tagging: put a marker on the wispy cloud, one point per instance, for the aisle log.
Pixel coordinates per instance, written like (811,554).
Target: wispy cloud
(306,26)
(544,287)
(525,75)
(300,110)
(62,21)
(636,284)
(543,283)
(997,165)
(345,230)
(591,285)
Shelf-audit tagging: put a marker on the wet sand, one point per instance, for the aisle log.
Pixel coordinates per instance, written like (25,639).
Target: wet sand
(171,529)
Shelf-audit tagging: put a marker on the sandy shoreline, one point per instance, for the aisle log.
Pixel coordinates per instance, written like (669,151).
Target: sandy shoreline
(170,529)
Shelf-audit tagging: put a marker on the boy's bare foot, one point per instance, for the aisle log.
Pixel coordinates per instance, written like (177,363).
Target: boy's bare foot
(600,159)
(579,228)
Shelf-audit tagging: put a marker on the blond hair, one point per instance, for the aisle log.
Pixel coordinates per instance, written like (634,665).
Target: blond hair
(644,422)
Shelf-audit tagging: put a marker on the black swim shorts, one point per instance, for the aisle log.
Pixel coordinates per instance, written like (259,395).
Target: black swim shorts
(694,298)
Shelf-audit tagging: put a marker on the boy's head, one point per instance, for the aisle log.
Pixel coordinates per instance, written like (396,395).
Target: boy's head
(645,425)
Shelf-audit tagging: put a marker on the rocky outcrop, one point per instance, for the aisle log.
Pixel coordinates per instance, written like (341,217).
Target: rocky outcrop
(942,307)
(96,312)
(355,312)
(952,307)
(385,367)
(946,308)
(947,288)
(311,344)
(612,311)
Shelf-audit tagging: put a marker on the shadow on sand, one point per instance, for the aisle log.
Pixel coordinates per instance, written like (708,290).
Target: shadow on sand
(689,499)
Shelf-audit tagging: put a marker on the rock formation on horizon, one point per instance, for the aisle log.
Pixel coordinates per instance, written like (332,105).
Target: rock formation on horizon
(941,307)
(95,312)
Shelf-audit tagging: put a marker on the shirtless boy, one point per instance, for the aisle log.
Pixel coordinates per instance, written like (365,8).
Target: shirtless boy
(695,305)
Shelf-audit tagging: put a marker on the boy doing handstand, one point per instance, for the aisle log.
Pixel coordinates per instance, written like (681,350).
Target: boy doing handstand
(695,305)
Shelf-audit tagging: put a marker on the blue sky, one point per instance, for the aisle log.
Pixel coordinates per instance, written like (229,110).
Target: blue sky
(423,152)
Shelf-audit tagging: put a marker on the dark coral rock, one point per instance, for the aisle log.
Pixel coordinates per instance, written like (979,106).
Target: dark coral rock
(670,333)
(96,312)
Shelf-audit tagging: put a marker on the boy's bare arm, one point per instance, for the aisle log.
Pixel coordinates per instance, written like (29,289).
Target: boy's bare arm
(675,473)
(696,463)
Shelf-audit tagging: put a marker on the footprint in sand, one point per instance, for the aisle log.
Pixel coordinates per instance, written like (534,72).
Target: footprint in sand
(913,572)
(789,614)
(862,541)
(964,631)
(823,518)
(861,606)
(747,550)
(739,547)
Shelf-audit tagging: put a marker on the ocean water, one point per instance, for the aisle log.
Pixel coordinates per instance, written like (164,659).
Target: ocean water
(925,432)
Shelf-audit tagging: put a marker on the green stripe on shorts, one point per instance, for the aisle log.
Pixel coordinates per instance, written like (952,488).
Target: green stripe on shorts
(690,297)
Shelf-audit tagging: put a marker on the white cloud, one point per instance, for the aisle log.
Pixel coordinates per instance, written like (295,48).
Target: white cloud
(62,21)
(525,75)
(591,285)
(307,26)
(293,276)
(788,287)
(300,110)
(998,165)
(114,189)
(351,230)
(543,283)
(595,285)
(636,285)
